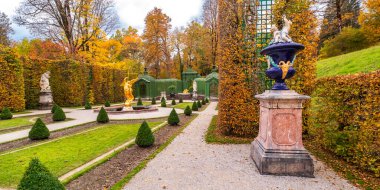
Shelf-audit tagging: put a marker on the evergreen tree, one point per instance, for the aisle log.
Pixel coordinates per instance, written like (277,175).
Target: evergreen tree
(173,102)
(139,102)
(59,115)
(6,114)
(207,101)
(54,108)
(153,101)
(163,103)
(87,106)
(195,106)
(102,116)
(145,137)
(188,111)
(39,131)
(107,104)
(38,177)
(173,118)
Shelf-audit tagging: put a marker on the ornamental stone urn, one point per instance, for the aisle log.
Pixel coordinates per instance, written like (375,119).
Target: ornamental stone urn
(278,148)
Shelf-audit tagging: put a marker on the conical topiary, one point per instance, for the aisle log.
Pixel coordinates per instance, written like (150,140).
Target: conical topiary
(39,131)
(139,102)
(59,115)
(188,111)
(144,136)
(199,104)
(173,102)
(207,101)
(102,116)
(180,100)
(38,177)
(162,99)
(54,108)
(153,101)
(173,118)
(195,106)
(6,114)
(203,102)
(107,104)
(163,103)
(87,106)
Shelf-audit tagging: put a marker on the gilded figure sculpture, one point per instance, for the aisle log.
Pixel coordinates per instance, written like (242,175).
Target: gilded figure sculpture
(128,91)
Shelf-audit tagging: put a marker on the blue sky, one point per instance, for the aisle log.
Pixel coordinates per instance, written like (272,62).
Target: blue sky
(131,12)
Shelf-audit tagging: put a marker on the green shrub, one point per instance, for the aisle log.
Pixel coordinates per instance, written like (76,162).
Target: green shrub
(173,118)
(153,101)
(207,101)
(59,115)
(144,136)
(107,104)
(87,106)
(188,111)
(173,102)
(38,177)
(54,108)
(195,106)
(203,102)
(348,40)
(162,99)
(199,104)
(139,102)
(102,116)
(39,131)
(180,100)
(163,103)
(6,114)
(172,88)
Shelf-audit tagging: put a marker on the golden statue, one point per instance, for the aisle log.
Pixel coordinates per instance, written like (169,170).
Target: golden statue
(128,91)
(185,91)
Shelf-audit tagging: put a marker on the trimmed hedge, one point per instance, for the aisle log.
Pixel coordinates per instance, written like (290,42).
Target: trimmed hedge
(102,116)
(346,118)
(12,81)
(144,136)
(195,106)
(38,177)
(6,114)
(39,131)
(173,118)
(187,111)
(59,115)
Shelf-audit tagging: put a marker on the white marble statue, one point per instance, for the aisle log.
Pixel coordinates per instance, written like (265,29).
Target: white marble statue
(283,34)
(195,87)
(44,82)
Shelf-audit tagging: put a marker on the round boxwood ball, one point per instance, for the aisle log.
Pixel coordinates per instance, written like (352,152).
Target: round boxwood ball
(144,136)
(39,131)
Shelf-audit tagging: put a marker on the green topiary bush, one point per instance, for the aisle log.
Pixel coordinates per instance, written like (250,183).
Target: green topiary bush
(173,118)
(87,106)
(153,101)
(207,101)
(139,102)
(199,104)
(6,114)
(107,104)
(144,136)
(38,177)
(195,106)
(188,111)
(173,102)
(54,108)
(163,103)
(180,100)
(162,99)
(102,116)
(203,102)
(59,115)
(39,131)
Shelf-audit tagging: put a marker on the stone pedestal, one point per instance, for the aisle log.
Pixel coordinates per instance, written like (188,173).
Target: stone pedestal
(46,100)
(278,149)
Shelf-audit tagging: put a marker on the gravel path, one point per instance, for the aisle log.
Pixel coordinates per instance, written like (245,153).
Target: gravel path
(189,163)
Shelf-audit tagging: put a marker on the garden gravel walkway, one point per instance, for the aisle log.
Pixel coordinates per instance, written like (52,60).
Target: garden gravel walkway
(189,163)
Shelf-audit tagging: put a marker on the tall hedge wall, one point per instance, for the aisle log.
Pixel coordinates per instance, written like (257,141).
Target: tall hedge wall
(71,81)
(346,118)
(11,81)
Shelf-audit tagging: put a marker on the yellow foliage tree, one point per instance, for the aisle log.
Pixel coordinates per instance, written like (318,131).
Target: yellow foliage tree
(369,20)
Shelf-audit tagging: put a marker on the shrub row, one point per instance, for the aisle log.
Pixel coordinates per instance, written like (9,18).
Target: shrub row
(346,118)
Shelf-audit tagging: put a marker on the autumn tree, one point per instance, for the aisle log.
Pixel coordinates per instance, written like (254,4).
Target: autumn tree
(370,20)
(73,23)
(177,44)
(5,29)
(210,21)
(40,49)
(156,42)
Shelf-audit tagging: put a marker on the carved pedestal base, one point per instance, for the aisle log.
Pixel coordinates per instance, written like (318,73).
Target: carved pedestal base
(46,100)
(278,149)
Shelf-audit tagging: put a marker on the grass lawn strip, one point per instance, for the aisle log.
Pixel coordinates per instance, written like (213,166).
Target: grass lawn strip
(15,122)
(65,154)
(143,164)
(183,105)
(99,160)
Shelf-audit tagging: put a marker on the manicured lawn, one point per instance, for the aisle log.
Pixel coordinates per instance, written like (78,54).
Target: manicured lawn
(362,61)
(144,103)
(183,105)
(21,112)
(15,122)
(65,154)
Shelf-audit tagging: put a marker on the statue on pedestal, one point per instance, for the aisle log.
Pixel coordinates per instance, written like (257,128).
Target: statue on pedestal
(46,97)
(195,89)
(128,91)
